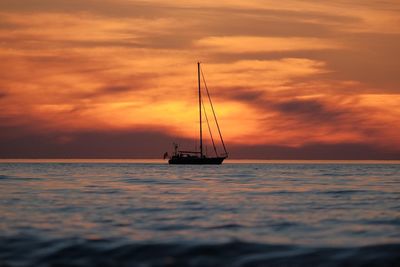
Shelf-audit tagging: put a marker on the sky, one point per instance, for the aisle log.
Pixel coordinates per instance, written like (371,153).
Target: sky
(117,78)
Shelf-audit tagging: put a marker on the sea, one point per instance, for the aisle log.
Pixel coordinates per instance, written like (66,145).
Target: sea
(241,213)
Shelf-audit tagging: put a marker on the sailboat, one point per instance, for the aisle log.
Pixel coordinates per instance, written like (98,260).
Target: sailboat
(199,157)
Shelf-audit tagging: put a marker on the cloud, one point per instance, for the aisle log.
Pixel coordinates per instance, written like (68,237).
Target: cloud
(91,144)
(316,151)
(152,143)
(290,74)
(294,120)
(114,8)
(252,44)
(309,109)
(2,94)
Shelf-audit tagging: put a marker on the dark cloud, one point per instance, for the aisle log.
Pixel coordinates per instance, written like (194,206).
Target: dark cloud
(317,116)
(316,151)
(308,111)
(170,40)
(109,90)
(2,94)
(204,21)
(266,22)
(139,143)
(129,84)
(115,89)
(376,5)
(33,42)
(150,143)
(373,61)
(6,25)
(115,8)
(367,58)
(142,9)
(242,94)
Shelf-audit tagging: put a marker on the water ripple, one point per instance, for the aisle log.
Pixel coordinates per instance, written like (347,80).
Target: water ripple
(123,214)
(30,251)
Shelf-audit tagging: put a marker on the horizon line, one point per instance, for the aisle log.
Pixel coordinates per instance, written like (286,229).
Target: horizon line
(155,160)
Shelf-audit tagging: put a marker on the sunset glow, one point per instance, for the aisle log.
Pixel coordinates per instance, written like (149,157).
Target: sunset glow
(288,74)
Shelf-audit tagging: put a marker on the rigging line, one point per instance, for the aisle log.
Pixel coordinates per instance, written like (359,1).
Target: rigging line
(215,117)
(209,128)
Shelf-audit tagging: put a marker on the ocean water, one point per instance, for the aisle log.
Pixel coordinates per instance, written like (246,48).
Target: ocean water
(76,213)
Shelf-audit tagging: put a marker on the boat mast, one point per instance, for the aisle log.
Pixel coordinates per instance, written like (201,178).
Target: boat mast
(201,130)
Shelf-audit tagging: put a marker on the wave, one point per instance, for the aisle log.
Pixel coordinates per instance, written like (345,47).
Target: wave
(30,251)
(4,177)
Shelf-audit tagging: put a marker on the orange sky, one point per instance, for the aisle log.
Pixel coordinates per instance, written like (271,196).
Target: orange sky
(282,74)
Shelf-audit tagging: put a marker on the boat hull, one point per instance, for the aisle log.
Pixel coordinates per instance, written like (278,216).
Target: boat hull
(196,160)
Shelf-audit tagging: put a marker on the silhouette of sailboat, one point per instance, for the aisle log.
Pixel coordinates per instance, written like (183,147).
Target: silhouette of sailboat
(198,157)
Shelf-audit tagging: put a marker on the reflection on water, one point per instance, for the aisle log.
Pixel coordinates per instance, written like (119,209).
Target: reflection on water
(247,213)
